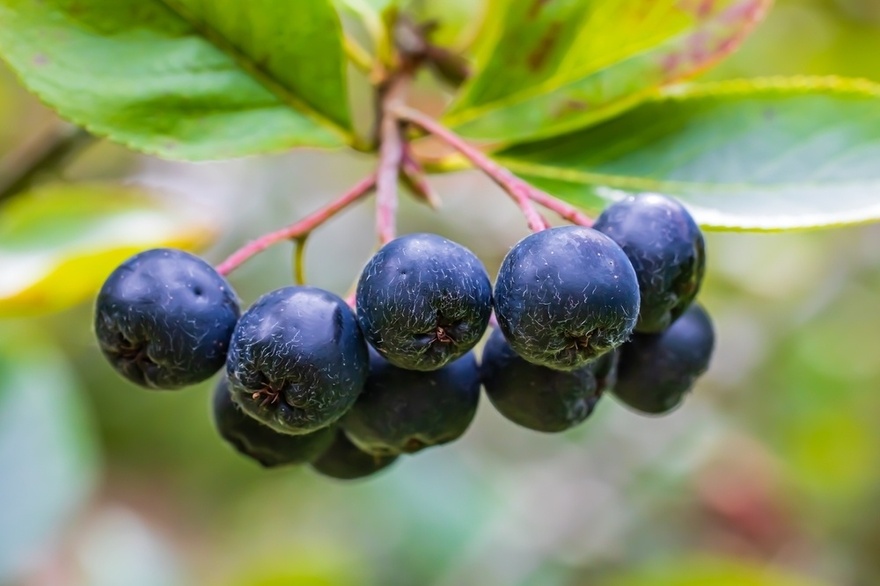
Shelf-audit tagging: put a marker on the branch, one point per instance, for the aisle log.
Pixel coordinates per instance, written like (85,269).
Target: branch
(299,229)
(414,177)
(519,190)
(51,149)
(391,156)
(565,211)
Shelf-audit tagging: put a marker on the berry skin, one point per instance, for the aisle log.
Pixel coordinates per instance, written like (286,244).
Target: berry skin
(297,360)
(404,411)
(565,296)
(656,370)
(344,461)
(423,301)
(163,319)
(534,396)
(666,248)
(256,441)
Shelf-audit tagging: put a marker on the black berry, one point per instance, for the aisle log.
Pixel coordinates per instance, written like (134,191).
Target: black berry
(423,301)
(297,359)
(667,251)
(565,296)
(343,460)
(535,396)
(164,317)
(404,411)
(258,442)
(656,370)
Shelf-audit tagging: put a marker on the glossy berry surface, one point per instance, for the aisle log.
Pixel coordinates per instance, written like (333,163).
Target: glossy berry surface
(535,396)
(344,461)
(565,296)
(667,251)
(404,411)
(251,438)
(297,359)
(423,301)
(164,318)
(656,370)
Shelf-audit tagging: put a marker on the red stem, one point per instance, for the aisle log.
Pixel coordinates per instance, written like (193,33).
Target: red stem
(299,229)
(565,211)
(414,175)
(519,190)
(390,159)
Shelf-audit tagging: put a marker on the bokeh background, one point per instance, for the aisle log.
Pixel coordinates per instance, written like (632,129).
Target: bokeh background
(768,475)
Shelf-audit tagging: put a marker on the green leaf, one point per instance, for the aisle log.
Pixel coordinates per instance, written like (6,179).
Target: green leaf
(185,79)
(773,154)
(58,244)
(701,571)
(48,459)
(554,67)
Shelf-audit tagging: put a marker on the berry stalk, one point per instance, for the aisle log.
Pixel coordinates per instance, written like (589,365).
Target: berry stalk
(391,156)
(516,188)
(299,229)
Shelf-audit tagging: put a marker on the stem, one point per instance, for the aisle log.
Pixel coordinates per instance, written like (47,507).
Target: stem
(358,56)
(391,155)
(51,149)
(299,260)
(519,190)
(565,211)
(414,177)
(299,229)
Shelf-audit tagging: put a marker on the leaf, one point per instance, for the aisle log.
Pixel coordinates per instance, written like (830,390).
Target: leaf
(185,79)
(58,244)
(700,571)
(772,154)
(554,67)
(48,459)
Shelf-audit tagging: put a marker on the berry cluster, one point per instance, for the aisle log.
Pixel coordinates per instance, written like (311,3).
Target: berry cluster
(579,311)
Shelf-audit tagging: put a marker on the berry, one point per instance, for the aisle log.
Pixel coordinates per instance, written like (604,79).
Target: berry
(656,370)
(535,396)
(163,319)
(605,370)
(667,251)
(565,296)
(404,411)
(343,460)
(258,442)
(297,359)
(423,301)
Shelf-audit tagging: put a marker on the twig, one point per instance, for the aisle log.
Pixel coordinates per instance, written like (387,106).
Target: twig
(565,211)
(391,155)
(299,229)
(358,56)
(413,174)
(519,190)
(49,150)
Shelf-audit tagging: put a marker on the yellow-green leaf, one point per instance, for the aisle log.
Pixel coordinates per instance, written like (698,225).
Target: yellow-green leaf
(553,67)
(772,154)
(58,244)
(186,79)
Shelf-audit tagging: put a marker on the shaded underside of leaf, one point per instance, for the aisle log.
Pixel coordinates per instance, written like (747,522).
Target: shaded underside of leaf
(770,154)
(557,66)
(185,79)
(58,244)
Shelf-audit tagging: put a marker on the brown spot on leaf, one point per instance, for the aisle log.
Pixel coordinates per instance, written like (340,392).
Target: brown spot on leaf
(538,57)
(40,59)
(570,106)
(535,8)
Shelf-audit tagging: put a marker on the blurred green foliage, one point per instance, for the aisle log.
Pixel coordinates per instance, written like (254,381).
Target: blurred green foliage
(766,476)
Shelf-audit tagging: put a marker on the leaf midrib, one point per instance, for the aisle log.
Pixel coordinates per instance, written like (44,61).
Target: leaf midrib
(254,70)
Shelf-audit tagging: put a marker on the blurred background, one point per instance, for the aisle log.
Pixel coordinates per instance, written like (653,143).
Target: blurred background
(769,474)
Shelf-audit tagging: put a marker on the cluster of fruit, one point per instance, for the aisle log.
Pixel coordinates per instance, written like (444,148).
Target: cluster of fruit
(308,380)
